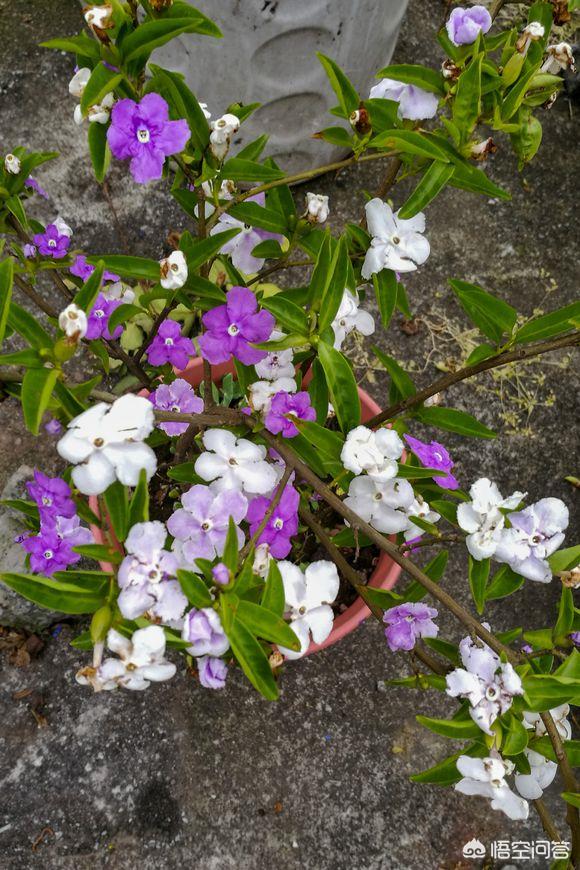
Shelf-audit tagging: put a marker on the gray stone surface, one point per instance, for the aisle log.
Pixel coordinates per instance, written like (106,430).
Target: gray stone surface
(319,780)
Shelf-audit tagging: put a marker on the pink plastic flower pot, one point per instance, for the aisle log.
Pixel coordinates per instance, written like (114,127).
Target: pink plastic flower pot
(386,572)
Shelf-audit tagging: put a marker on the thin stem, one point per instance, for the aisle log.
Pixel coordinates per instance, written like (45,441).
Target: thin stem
(502,359)
(35,297)
(118,225)
(432,542)
(570,782)
(547,821)
(349,573)
(277,268)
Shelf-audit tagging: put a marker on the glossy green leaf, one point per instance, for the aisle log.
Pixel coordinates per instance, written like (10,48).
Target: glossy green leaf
(53,594)
(491,315)
(478,574)
(411,142)
(565,560)
(182,102)
(413,74)
(6,278)
(102,81)
(194,589)
(139,504)
(203,250)
(385,284)
(458,729)
(543,745)
(267,625)
(550,324)
(81,44)
(128,267)
(273,597)
(290,316)
(402,385)
(37,387)
(116,500)
(230,554)
(252,659)
(565,615)
(259,216)
(334,288)
(318,392)
(430,185)
(343,88)
(503,583)
(99,150)
(446,773)
(341,385)
(515,736)
(467,102)
(451,420)
(100,552)
(238,169)
(153,34)
(87,294)
(121,314)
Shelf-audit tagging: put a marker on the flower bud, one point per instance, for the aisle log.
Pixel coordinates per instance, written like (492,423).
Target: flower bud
(101,623)
(221,574)
(12,164)
(173,271)
(100,19)
(450,70)
(480,150)
(73,322)
(360,121)
(316,208)
(221,134)
(531,33)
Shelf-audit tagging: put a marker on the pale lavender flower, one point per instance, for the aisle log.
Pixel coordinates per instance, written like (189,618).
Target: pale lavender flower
(98,319)
(434,455)
(240,247)
(84,270)
(170,346)
(575,638)
(203,630)
(284,408)
(536,532)
(53,426)
(179,397)
(465,25)
(52,243)
(407,622)
(414,103)
(146,575)
(29,251)
(201,525)
(221,574)
(34,185)
(231,327)
(212,672)
(143,132)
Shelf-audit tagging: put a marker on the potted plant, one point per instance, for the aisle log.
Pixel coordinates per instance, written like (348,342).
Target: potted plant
(240,485)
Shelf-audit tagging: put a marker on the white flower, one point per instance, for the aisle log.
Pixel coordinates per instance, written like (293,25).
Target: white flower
(62,227)
(73,321)
(262,392)
(382,503)
(350,317)
(482,517)
(308,599)
(373,452)
(234,463)
(100,112)
(12,164)
(141,662)
(486,777)
(559,57)
(221,134)
(118,290)
(488,683)
(536,532)
(78,82)
(533,721)
(205,110)
(531,33)
(317,209)
(226,192)
(99,16)
(278,363)
(262,560)
(396,244)
(106,444)
(173,271)
(542,772)
(420,509)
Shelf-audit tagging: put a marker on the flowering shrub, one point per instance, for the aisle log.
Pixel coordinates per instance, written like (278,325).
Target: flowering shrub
(219,507)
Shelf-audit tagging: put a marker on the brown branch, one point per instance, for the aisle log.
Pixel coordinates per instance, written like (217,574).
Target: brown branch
(349,573)
(570,782)
(118,225)
(502,359)
(547,821)
(35,297)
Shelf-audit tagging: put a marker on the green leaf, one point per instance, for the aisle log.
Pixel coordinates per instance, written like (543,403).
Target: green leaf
(208,292)
(86,296)
(128,267)
(96,582)
(273,597)
(121,314)
(37,387)
(564,560)
(117,504)
(491,315)
(287,313)
(467,102)
(515,738)
(231,547)
(238,169)
(334,287)
(336,136)
(402,385)
(267,625)
(458,729)
(431,184)
(252,659)
(446,773)
(543,745)
(269,249)
(414,74)
(571,797)
(101,82)
(516,95)
(318,392)
(321,272)
(565,615)
(503,583)
(81,44)
(153,34)
(194,589)
(325,440)
(172,86)
(451,420)
(100,552)
(15,207)
(385,284)
(53,594)
(544,691)
(28,327)
(259,216)
(139,504)
(28,358)
(99,150)
(204,249)
(341,385)
(411,142)
(343,88)
(478,574)
(6,278)
(549,324)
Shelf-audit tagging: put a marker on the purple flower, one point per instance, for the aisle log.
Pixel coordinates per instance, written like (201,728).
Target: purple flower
(212,671)
(407,622)
(29,251)
(282,524)
(464,25)
(575,638)
(527,649)
(240,247)
(203,630)
(49,552)
(170,346)
(143,132)
(33,183)
(434,455)
(201,524)
(52,495)
(288,405)
(53,426)
(221,574)
(52,243)
(230,328)
(98,319)
(84,270)
(179,397)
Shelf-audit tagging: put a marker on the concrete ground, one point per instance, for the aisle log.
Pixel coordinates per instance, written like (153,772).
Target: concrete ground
(320,779)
